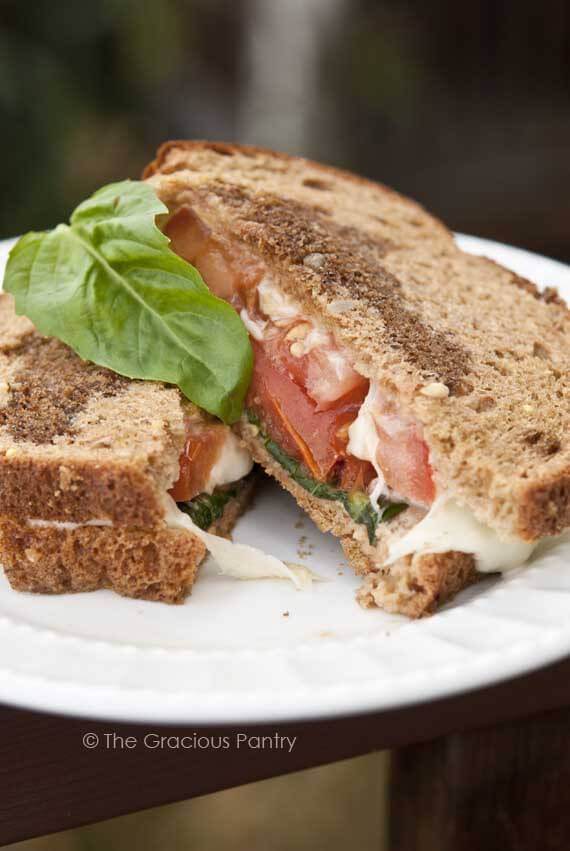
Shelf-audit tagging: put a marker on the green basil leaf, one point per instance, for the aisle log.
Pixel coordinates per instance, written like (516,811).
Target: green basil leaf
(109,287)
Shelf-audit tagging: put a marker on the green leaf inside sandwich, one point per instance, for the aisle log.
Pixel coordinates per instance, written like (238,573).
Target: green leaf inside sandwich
(109,287)
(205,509)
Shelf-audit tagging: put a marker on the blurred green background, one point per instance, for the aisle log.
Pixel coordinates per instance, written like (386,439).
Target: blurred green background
(465,106)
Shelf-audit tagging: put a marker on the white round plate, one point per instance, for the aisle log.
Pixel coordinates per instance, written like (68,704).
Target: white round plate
(239,652)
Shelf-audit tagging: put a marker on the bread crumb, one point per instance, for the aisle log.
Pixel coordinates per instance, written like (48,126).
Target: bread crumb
(435,390)
(285,614)
(304,549)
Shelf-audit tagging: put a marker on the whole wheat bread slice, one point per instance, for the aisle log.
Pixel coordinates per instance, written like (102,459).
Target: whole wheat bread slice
(390,283)
(157,563)
(80,444)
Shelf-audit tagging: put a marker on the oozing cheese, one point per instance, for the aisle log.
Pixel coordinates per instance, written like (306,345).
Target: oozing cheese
(238,560)
(450,527)
(234,462)
(363,443)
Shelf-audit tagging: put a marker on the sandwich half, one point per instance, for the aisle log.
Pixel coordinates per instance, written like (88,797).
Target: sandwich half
(88,463)
(414,399)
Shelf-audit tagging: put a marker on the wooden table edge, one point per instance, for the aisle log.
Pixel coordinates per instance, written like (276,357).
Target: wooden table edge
(51,781)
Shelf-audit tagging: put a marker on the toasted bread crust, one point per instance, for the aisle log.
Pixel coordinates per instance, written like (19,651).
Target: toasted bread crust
(151,564)
(69,488)
(154,565)
(419,584)
(545,506)
(421,311)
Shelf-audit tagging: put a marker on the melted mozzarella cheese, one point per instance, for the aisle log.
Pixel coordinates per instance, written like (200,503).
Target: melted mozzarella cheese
(363,442)
(233,463)
(314,339)
(450,527)
(238,560)
(255,326)
(274,303)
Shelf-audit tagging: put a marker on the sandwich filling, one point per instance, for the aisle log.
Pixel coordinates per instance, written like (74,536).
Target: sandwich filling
(212,457)
(213,466)
(304,390)
(338,435)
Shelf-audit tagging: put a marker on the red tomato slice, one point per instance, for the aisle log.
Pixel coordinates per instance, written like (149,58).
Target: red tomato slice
(188,234)
(228,271)
(201,451)
(291,418)
(355,474)
(403,457)
(323,373)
